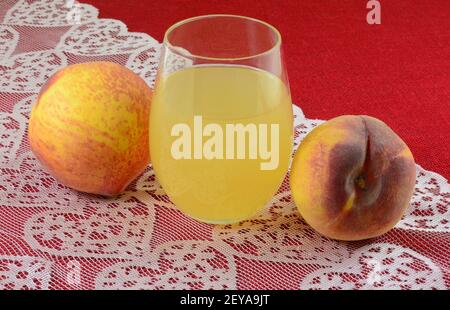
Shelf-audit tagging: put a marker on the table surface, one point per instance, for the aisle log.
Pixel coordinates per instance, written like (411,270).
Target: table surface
(52,237)
(338,64)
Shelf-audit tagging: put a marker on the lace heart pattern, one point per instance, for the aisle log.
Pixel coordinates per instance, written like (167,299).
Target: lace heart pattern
(49,13)
(9,38)
(24,272)
(430,206)
(103,37)
(23,186)
(279,234)
(53,237)
(170,267)
(13,127)
(147,185)
(144,62)
(120,228)
(378,266)
(27,72)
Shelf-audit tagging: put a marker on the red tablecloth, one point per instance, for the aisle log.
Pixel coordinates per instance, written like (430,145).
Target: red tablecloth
(52,237)
(398,71)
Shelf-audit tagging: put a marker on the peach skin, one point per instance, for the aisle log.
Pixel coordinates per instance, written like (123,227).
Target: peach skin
(89,127)
(352,178)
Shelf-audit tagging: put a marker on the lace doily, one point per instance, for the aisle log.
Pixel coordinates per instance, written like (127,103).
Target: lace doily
(54,237)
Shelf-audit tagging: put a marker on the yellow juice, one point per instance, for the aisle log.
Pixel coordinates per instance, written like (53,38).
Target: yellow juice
(220,190)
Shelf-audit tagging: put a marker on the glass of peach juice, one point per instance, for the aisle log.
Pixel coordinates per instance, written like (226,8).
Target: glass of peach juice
(221,122)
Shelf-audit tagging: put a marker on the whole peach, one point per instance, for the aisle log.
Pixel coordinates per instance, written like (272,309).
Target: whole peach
(89,127)
(352,178)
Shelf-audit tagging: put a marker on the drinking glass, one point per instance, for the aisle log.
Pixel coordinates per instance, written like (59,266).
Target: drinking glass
(221,122)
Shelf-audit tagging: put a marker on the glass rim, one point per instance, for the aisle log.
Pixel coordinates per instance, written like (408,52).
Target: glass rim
(174,49)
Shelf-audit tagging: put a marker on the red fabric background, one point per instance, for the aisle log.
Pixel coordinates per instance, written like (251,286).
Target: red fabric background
(398,71)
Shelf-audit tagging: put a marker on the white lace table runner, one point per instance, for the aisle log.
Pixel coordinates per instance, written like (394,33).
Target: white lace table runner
(54,237)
